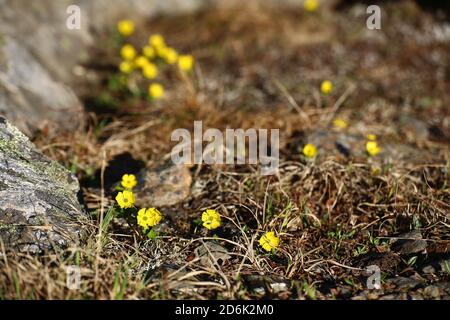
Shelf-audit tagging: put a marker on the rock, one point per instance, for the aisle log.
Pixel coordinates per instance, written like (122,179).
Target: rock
(409,243)
(428,269)
(208,251)
(43,29)
(404,283)
(39,208)
(394,296)
(261,285)
(29,97)
(432,292)
(40,55)
(166,185)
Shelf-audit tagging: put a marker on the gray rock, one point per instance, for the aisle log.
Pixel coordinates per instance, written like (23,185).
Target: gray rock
(43,26)
(165,185)
(29,97)
(264,284)
(39,208)
(428,269)
(410,242)
(404,282)
(39,54)
(210,253)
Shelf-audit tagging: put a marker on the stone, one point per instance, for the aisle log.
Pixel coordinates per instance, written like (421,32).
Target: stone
(29,96)
(166,185)
(39,207)
(208,251)
(428,269)
(409,243)
(404,282)
(40,56)
(432,292)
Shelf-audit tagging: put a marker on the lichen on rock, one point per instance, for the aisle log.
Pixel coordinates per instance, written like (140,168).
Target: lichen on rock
(39,207)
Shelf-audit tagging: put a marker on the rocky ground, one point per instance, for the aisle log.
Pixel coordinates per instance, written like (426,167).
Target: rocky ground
(337,215)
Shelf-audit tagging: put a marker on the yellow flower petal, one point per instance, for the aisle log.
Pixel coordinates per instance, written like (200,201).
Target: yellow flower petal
(340,123)
(269,241)
(326,87)
(148,217)
(149,52)
(309,150)
(129,181)
(141,61)
(372,148)
(211,219)
(125,199)
(311,5)
(156,91)
(186,62)
(128,52)
(150,71)
(157,41)
(126,67)
(125,27)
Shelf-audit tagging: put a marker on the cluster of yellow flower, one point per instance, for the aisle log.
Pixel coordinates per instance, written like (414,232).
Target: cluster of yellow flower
(146,218)
(146,62)
(372,146)
(150,217)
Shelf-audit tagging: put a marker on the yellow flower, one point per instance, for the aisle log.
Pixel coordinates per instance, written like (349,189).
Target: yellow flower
(375,171)
(372,148)
(168,54)
(128,52)
(126,67)
(157,41)
(155,90)
(150,71)
(148,217)
(269,241)
(125,199)
(141,61)
(148,51)
(186,62)
(340,123)
(311,5)
(309,150)
(211,219)
(129,181)
(125,27)
(371,137)
(326,87)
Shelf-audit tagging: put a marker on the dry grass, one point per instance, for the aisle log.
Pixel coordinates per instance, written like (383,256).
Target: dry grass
(260,72)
